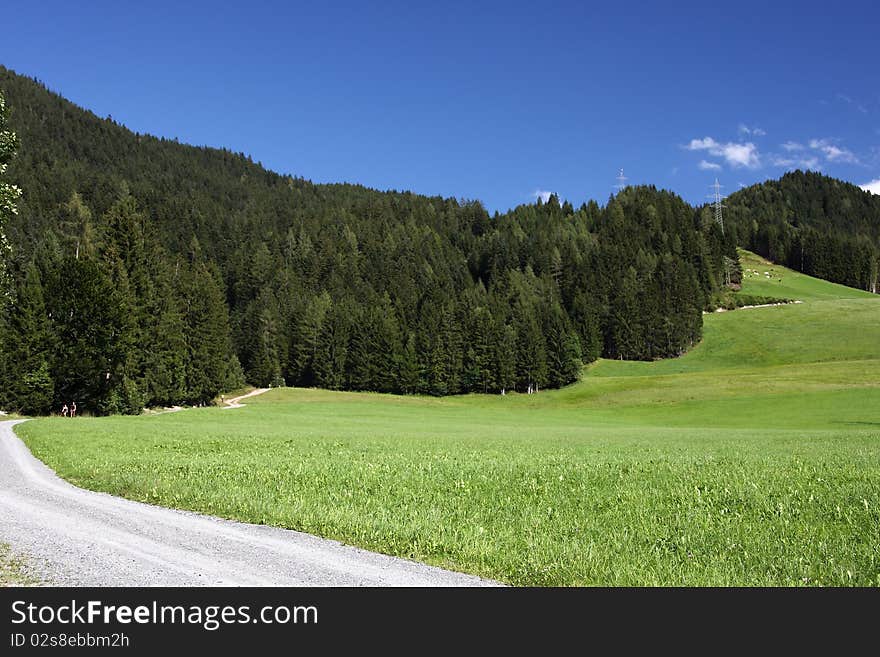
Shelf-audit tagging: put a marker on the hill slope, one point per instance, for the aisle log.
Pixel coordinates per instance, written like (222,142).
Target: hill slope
(200,269)
(812,364)
(815,224)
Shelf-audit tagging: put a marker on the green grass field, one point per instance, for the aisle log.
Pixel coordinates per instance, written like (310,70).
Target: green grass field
(752,460)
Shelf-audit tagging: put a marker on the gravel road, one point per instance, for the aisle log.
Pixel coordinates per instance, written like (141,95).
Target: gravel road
(82,538)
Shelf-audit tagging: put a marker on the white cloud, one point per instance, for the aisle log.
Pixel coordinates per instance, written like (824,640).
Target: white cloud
(702,144)
(777,161)
(873,186)
(810,156)
(736,155)
(746,130)
(807,163)
(744,155)
(833,153)
(709,166)
(542,194)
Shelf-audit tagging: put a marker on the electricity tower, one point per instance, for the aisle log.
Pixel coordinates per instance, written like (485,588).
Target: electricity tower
(716,201)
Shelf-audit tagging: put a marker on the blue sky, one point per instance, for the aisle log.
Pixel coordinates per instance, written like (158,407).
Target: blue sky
(478,100)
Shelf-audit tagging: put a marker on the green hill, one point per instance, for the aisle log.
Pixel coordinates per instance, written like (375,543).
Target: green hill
(812,223)
(754,459)
(809,364)
(201,270)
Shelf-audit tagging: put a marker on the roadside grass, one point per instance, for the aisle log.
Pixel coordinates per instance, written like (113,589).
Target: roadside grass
(13,571)
(752,460)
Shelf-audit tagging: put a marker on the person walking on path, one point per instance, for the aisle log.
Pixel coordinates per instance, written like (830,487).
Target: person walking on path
(64,411)
(73,409)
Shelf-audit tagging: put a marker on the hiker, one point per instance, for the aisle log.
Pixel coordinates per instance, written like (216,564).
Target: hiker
(73,409)
(64,410)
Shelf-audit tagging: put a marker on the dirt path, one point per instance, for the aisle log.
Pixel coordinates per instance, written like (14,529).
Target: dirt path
(79,537)
(760,305)
(235,402)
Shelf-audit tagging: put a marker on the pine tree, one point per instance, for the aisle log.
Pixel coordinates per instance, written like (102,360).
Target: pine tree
(26,334)
(481,352)
(260,342)
(122,259)
(390,347)
(165,345)
(563,348)
(531,354)
(89,327)
(409,366)
(375,348)
(78,227)
(207,334)
(586,317)
(331,359)
(505,357)
(308,327)
(627,327)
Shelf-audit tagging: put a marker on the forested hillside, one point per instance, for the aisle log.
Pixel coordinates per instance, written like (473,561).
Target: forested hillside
(147,272)
(812,223)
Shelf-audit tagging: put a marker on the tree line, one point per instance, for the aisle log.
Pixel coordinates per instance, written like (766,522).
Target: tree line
(146,272)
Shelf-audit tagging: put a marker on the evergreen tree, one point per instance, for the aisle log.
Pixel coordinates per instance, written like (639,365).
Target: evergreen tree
(531,354)
(627,332)
(78,227)
(563,348)
(375,348)
(307,331)
(482,352)
(26,334)
(409,371)
(207,334)
(165,345)
(586,318)
(331,358)
(390,346)
(89,325)
(262,350)
(505,357)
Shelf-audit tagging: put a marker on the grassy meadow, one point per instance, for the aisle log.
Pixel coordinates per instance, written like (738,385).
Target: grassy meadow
(752,460)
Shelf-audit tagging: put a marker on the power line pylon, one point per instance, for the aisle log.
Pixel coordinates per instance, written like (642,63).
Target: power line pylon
(716,202)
